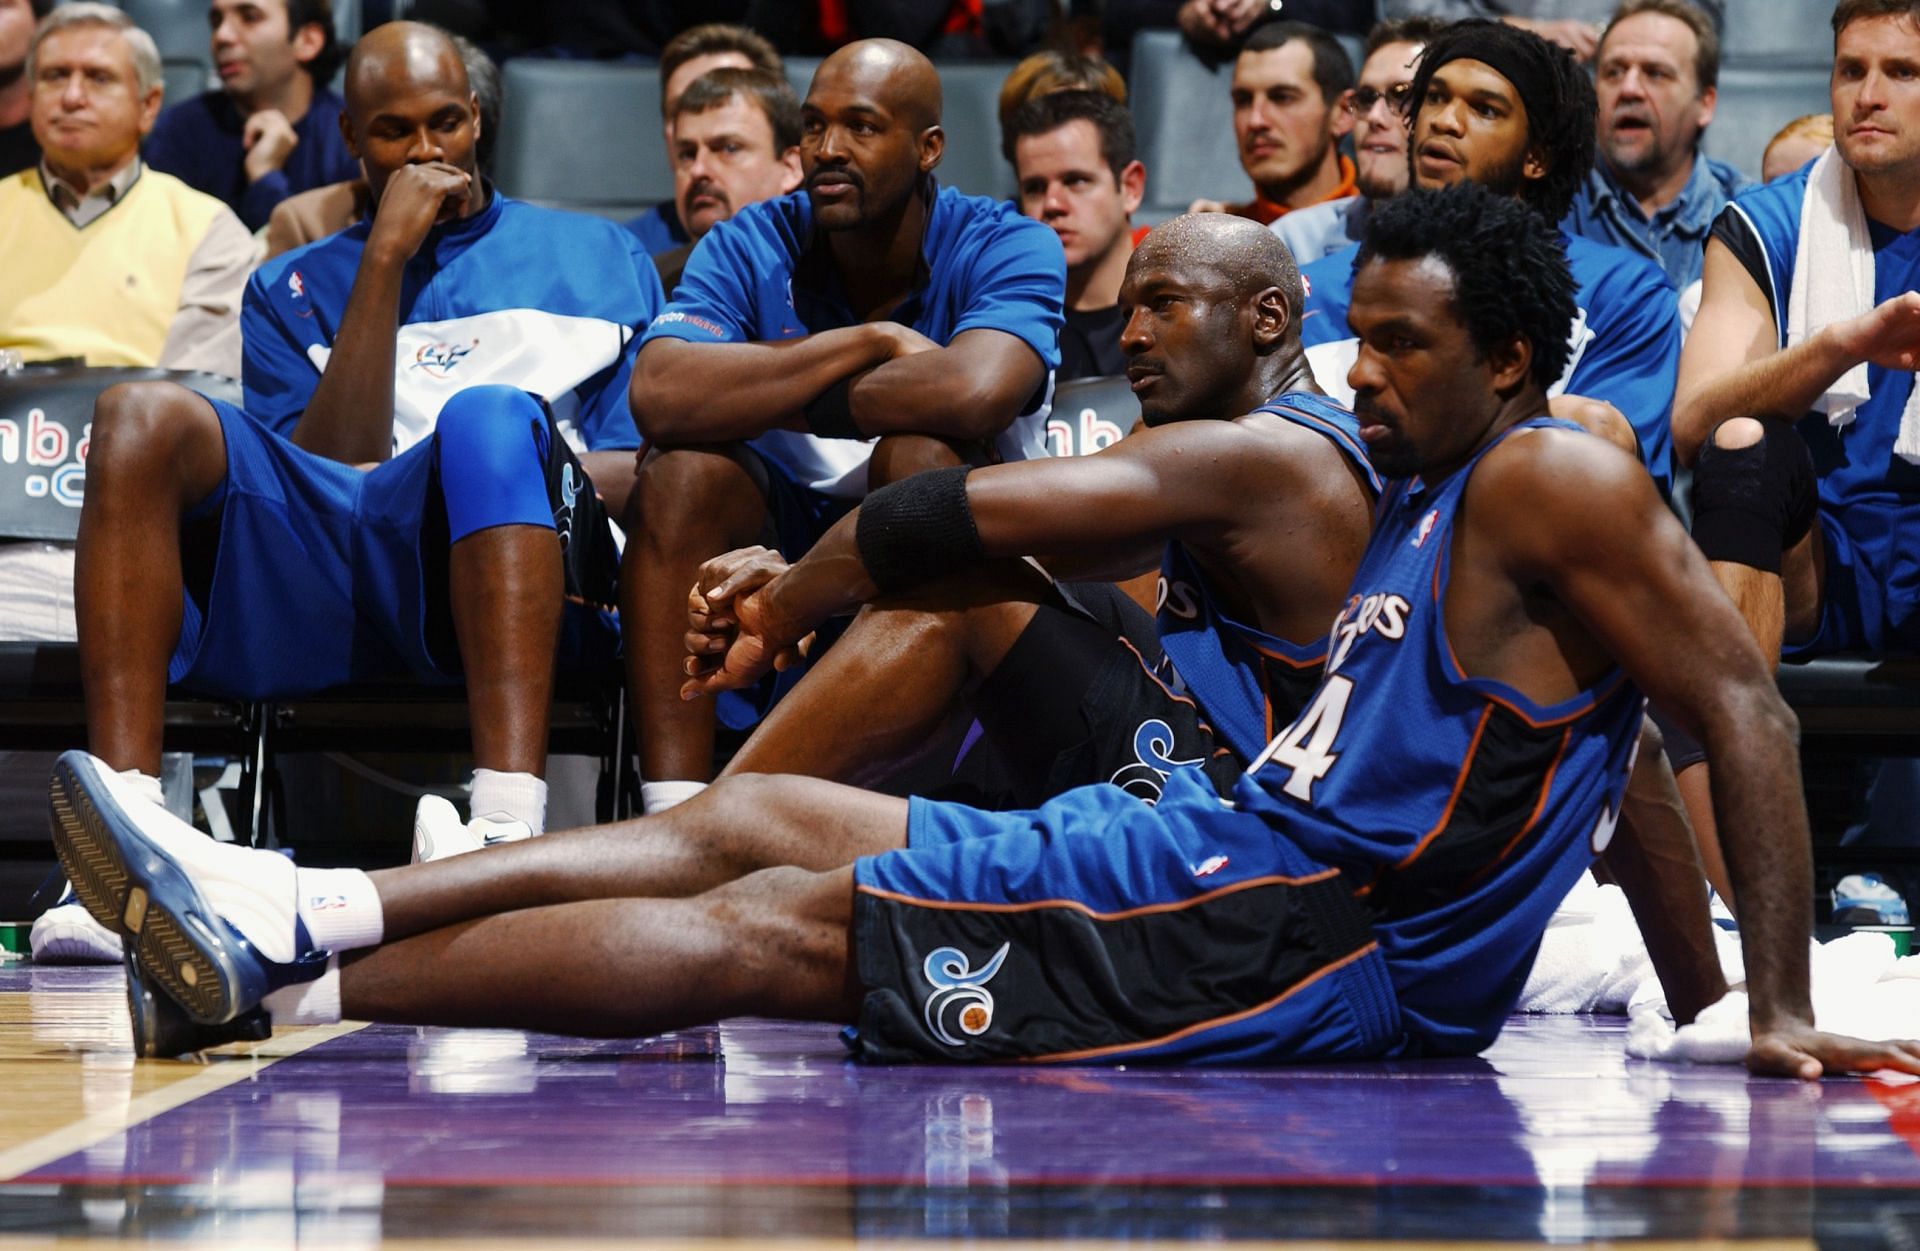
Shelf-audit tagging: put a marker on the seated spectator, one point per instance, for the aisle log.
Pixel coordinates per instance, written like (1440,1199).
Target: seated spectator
(1290,84)
(1795,398)
(107,261)
(1575,25)
(1496,105)
(1379,109)
(1073,153)
(18,151)
(736,141)
(690,55)
(310,215)
(876,303)
(1054,70)
(1799,141)
(1652,190)
(273,127)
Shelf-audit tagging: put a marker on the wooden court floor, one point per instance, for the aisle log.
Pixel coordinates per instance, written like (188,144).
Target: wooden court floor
(759,1133)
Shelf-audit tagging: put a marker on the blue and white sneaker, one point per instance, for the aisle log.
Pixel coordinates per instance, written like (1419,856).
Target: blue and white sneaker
(67,934)
(162,1027)
(1867,899)
(438,831)
(213,925)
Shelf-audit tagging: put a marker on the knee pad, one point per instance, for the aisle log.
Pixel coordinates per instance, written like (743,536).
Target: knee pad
(1750,504)
(492,443)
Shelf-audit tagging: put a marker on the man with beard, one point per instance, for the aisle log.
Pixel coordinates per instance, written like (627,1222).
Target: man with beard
(873,304)
(1498,106)
(736,141)
(1379,108)
(1652,190)
(1377,888)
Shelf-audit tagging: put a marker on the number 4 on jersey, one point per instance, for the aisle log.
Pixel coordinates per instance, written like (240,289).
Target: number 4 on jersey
(1307,745)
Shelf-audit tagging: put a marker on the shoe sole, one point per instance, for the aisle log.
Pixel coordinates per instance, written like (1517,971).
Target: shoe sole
(137,891)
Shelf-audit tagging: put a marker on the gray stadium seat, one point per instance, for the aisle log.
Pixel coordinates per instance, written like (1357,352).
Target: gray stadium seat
(179,29)
(1184,114)
(1780,32)
(1755,104)
(614,166)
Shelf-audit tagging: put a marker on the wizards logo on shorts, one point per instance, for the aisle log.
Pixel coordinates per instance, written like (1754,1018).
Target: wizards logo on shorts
(1147,776)
(960,996)
(440,359)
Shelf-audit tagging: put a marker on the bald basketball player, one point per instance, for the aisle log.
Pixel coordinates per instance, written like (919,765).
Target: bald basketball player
(871,303)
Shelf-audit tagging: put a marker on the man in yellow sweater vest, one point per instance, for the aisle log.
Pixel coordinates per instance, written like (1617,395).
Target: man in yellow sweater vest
(105,259)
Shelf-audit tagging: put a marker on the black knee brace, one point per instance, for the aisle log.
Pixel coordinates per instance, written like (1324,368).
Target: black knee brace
(1750,504)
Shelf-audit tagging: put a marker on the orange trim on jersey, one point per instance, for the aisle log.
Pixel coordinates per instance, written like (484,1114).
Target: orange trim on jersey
(1154,677)
(1533,818)
(1289,661)
(1068,1057)
(1459,785)
(1074,905)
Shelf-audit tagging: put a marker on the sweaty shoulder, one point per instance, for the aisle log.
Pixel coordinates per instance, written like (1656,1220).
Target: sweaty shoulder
(1549,475)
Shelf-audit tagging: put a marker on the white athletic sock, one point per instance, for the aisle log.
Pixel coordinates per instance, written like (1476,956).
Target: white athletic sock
(340,907)
(307,1003)
(660,796)
(519,796)
(146,784)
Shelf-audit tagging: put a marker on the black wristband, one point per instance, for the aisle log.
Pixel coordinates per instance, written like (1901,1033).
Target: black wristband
(830,414)
(918,529)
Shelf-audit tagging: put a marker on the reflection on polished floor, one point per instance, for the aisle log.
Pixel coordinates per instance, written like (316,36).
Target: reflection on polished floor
(757,1132)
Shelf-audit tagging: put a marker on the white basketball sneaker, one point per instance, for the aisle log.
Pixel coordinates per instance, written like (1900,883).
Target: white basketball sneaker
(438,831)
(67,934)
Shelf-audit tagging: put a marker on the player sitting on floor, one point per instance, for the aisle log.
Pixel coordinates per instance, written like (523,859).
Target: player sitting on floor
(1377,887)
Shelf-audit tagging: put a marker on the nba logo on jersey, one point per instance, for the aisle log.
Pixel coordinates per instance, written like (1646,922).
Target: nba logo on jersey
(1427,524)
(297,285)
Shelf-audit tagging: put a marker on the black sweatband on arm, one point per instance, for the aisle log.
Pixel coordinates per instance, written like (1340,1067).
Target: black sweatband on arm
(918,529)
(830,414)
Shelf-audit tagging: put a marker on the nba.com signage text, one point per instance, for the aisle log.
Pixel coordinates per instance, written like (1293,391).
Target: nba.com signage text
(55,460)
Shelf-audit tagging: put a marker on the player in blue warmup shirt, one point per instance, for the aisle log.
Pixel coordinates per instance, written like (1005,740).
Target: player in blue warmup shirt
(1810,516)
(871,303)
(400,495)
(1074,684)
(1500,106)
(1376,888)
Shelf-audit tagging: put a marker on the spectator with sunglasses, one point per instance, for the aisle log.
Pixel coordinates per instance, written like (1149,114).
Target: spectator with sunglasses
(1379,108)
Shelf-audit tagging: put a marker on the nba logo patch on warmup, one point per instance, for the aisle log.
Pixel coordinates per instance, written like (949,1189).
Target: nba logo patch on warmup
(1426,527)
(960,996)
(296,285)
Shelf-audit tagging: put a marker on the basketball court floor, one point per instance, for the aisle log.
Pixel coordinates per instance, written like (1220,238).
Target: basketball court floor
(759,1133)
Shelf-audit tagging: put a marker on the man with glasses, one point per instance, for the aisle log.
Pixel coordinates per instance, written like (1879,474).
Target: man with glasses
(1378,105)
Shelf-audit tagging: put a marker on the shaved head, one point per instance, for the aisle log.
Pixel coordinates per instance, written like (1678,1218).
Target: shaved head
(1245,255)
(399,58)
(892,74)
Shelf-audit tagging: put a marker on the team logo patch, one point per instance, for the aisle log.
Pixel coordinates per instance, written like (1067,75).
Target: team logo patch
(1147,776)
(692,319)
(960,997)
(563,514)
(440,359)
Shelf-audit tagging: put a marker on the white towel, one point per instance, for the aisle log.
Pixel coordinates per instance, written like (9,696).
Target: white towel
(1833,282)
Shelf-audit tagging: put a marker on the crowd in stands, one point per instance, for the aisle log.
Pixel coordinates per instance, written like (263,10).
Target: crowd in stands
(438,379)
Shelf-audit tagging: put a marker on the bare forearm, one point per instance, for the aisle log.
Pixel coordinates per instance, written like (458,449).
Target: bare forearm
(1784,384)
(829,580)
(1763,829)
(935,393)
(715,392)
(350,417)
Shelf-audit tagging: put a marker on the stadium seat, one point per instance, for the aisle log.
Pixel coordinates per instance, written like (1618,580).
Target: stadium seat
(971,118)
(614,167)
(1791,32)
(1754,104)
(179,30)
(1090,414)
(1183,111)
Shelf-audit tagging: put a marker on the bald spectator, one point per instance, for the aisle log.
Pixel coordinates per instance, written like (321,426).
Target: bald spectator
(690,55)
(18,151)
(1290,85)
(105,260)
(1652,190)
(1801,140)
(272,127)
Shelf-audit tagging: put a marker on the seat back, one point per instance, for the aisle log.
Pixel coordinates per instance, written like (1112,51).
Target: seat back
(1791,32)
(46,415)
(1183,112)
(1754,104)
(614,166)
(1090,414)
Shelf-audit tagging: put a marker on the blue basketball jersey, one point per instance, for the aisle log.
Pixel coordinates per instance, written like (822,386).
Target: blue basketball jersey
(1461,811)
(1625,338)
(1247,682)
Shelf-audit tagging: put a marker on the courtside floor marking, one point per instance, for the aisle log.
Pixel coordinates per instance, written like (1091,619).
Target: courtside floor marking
(88,1130)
